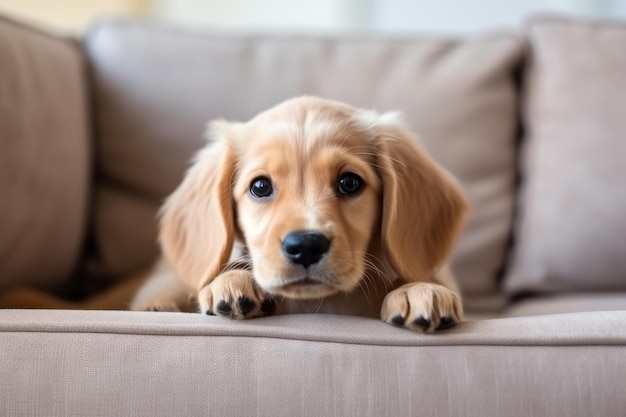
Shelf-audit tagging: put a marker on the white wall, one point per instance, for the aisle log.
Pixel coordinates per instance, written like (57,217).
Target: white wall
(471,15)
(268,14)
(70,16)
(449,16)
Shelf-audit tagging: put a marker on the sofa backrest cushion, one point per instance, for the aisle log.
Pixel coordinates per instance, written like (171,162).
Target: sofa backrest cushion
(571,229)
(44,157)
(156,87)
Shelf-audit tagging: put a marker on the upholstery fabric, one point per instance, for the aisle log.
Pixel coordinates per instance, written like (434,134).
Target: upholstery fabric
(571,230)
(567,303)
(115,363)
(44,157)
(156,87)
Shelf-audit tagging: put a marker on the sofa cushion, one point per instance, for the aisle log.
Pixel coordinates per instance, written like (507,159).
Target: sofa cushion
(567,303)
(156,87)
(571,229)
(160,364)
(44,157)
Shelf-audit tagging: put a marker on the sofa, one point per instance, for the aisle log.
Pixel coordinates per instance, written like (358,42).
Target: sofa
(96,132)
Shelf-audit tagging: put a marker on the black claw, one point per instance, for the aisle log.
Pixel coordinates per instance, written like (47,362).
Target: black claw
(245,305)
(422,322)
(210,313)
(224,308)
(445,323)
(268,305)
(398,320)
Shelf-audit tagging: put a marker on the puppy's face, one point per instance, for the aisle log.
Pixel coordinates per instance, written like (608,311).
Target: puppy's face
(318,191)
(307,198)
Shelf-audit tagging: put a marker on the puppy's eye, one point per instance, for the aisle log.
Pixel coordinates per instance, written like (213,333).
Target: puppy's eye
(261,187)
(349,184)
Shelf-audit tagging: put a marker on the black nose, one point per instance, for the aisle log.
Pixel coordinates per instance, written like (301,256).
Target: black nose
(305,248)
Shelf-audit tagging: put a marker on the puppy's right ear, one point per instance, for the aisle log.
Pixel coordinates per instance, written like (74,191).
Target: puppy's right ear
(197,221)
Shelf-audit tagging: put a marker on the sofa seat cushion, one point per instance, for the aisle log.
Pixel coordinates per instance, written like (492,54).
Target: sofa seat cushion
(567,303)
(44,157)
(571,229)
(164,364)
(157,86)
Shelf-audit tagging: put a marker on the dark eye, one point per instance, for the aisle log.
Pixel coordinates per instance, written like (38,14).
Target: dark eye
(349,184)
(261,187)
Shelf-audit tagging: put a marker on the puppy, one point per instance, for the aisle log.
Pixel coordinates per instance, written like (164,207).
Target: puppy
(312,206)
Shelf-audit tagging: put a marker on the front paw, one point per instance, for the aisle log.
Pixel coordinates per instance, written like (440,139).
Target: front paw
(423,307)
(234,294)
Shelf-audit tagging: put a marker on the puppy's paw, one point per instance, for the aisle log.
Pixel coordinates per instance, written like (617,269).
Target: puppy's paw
(423,307)
(234,294)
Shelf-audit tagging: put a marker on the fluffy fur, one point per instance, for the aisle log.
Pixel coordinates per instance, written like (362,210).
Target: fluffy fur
(388,242)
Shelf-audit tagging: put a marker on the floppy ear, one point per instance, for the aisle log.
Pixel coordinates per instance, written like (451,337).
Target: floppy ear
(197,221)
(422,205)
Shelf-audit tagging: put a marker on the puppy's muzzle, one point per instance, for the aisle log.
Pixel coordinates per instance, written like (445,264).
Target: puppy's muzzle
(305,247)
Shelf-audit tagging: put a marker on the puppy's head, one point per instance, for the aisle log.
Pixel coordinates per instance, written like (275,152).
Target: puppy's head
(316,190)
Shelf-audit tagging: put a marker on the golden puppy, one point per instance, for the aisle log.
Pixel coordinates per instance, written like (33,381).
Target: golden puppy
(312,206)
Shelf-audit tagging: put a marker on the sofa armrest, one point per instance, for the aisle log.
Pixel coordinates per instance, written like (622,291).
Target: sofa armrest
(187,364)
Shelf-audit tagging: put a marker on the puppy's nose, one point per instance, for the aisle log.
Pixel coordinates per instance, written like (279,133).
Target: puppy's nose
(305,247)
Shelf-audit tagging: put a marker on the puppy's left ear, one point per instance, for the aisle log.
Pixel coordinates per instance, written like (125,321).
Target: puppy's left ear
(423,207)
(197,221)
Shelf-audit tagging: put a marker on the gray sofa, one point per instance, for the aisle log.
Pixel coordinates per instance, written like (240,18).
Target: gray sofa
(94,134)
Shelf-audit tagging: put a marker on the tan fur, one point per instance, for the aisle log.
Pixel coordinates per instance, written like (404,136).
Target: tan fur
(197,220)
(230,287)
(398,230)
(162,280)
(430,302)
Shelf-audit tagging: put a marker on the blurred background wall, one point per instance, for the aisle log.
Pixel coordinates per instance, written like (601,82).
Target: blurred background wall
(448,16)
